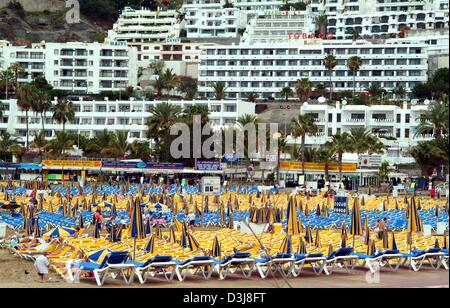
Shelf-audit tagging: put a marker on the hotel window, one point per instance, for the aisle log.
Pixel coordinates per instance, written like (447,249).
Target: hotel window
(399,118)
(338,118)
(407,133)
(408,118)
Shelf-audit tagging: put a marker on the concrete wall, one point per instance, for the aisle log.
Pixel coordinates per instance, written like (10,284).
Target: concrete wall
(38,5)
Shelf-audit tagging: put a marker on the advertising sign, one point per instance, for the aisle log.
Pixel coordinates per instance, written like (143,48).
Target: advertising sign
(73,163)
(140,165)
(340,204)
(297,166)
(370,160)
(207,165)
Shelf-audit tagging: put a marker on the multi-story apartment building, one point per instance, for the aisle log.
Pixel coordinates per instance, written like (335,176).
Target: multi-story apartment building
(267,68)
(396,126)
(182,56)
(144,25)
(76,67)
(214,23)
(92,117)
(249,6)
(275,26)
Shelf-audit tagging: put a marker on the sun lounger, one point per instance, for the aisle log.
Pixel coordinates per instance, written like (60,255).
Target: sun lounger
(164,265)
(114,262)
(237,262)
(195,265)
(434,257)
(391,259)
(281,263)
(316,261)
(342,258)
(445,251)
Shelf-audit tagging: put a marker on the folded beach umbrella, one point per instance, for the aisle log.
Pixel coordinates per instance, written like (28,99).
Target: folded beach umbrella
(148,227)
(286,245)
(114,210)
(317,242)
(59,232)
(184,239)
(137,223)
(371,248)
(356,227)
(436,244)
(330,249)
(308,235)
(385,240)
(81,221)
(36,229)
(292,223)
(367,231)
(325,211)
(150,247)
(437,210)
(98,255)
(302,247)
(318,211)
(396,205)
(445,240)
(193,244)
(216,250)
(158,232)
(343,240)
(172,235)
(394,242)
(306,210)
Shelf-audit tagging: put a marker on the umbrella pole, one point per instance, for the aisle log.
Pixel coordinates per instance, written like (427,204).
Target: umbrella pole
(410,251)
(134,250)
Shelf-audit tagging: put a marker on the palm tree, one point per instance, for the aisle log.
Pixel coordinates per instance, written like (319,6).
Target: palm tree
(159,86)
(303,88)
(140,149)
(16,68)
(219,89)
(163,116)
(354,64)
(286,92)
(63,112)
(355,35)
(243,121)
(399,91)
(341,143)
(7,143)
(330,63)
(322,24)
(435,119)
(25,96)
(326,155)
(383,171)
(360,138)
(118,145)
(41,105)
(6,79)
(376,90)
(196,110)
(251,97)
(302,126)
(171,80)
(320,89)
(58,146)
(427,155)
(39,142)
(157,67)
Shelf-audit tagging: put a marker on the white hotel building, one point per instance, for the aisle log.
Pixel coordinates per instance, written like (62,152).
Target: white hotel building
(92,117)
(267,68)
(249,6)
(143,25)
(75,67)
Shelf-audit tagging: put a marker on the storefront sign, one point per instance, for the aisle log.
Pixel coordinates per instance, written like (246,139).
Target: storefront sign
(370,160)
(305,36)
(297,166)
(140,165)
(205,165)
(340,205)
(73,163)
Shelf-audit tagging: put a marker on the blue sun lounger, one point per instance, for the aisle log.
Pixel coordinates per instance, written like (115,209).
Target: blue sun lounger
(200,264)
(281,263)
(316,261)
(155,266)
(114,262)
(342,258)
(238,262)
(391,259)
(434,257)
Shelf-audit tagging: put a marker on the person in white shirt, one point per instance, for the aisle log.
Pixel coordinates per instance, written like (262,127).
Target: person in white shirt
(41,264)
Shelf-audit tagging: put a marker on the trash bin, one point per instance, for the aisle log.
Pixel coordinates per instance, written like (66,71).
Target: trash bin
(2,230)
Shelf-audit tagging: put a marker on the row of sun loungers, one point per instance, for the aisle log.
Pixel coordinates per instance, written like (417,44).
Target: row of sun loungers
(118,264)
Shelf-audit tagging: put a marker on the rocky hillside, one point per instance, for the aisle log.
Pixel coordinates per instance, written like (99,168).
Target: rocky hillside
(23,27)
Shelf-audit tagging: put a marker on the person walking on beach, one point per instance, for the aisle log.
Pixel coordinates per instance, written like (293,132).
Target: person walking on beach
(41,264)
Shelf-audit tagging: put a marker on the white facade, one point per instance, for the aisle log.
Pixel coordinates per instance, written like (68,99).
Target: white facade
(92,117)
(249,6)
(266,68)
(276,26)
(144,25)
(74,66)
(214,23)
(396,126)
